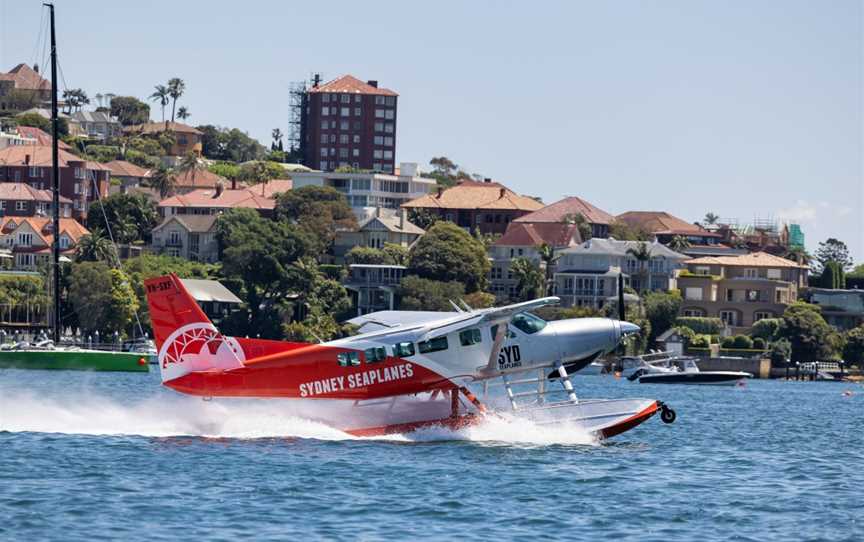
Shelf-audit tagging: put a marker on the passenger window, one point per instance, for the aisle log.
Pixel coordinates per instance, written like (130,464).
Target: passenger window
(469,337)
(528,323)
(376,353)
(403,350)
(494,330)
(433,345)
(348,359)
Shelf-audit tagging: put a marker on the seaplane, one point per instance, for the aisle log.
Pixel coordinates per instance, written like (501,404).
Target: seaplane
(406,370)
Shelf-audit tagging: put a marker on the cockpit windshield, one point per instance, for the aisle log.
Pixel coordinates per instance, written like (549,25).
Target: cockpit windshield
(528,323)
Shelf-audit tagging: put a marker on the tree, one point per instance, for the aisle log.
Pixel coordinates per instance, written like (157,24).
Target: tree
(260,171)
(781,352)
(679,243)
(183,113)
(129,111)
(642,254)
(767,329)
(75,99)
(581,223)
(417,293)
(832,250)
(162,96)
(95,247)
(797,254)
(531,282)
(832,276)
(366,255)
(277,140)
(807,332)
(422,218)
(853,352)
(229,144)
(449,253)
(38,121)
(259,254)
(190,165)
(163,181)
(130,217)
(176,86)
(549,259)
(624,232)
(445,172)
(319,211)
(710,219)
(661,309)
(107,308)
(396,254)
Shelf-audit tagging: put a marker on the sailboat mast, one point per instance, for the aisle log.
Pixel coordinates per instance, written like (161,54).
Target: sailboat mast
(55,175)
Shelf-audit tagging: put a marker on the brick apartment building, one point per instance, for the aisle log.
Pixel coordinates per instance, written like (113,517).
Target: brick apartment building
(79,179)
(349,123)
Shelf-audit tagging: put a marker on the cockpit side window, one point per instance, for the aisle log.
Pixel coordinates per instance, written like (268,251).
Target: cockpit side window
(374,354)
(403,350)
(528,323)
(348,359)
(494,331)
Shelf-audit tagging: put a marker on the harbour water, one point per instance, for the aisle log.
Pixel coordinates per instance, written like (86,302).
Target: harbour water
(99,456)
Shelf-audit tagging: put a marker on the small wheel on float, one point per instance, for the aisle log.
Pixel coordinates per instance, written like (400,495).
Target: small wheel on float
(667,415)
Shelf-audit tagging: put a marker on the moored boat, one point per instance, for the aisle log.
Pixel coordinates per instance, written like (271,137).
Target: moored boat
(685,371)
(71,358)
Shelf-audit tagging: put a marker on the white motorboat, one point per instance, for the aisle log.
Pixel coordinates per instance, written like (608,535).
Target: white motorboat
(685,371)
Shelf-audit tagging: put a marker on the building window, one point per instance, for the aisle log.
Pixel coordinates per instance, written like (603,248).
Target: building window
(343,139)
(389,128)
(356,138)
(345,111)
(379,100)
(343,152)
(355,153)
(377,154)
(761,315)
(323,152)
(346,98)
(388,168)
(377,166)
(64,242)
(17,175)
(379,140)
(774,274)
(379,126)
(20,205)
(389,114)
(379,113)
(357,111)
(332,151)
(693,313)
(361,184)
(323,164)
(174,238)
(324,124)
(751,273)
(753,295)
(388,155)
(344,125)
(25,239)
(693,294)
(730,318)
(388,141)
(35,171)
(390,100)
(3,205)
(730,296)
(324,138)
(325,110)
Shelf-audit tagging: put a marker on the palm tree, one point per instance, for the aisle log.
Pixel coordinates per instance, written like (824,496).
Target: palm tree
(531,280)
(176,86)
(679,243)
(277,140)
(183,113)
(797,254)
(161,95)
(189,164)
(710,219)
(642,254)
(581,224)
(549,258)
(95,247)
(164,181)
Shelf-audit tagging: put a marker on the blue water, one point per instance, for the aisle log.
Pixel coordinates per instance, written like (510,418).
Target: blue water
(89,456)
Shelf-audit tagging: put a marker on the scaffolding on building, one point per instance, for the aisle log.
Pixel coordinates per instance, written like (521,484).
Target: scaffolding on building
(297,107)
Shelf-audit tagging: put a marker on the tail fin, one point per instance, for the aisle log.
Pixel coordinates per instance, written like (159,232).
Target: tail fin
(185,338)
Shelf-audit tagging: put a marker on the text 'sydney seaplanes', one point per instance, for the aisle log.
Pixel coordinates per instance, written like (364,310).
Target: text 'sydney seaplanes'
(413,370)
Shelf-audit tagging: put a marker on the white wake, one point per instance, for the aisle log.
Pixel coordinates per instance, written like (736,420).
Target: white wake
(82,413)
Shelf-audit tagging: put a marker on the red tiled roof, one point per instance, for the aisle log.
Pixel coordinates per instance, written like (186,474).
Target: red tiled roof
(558,211)
(658,222)
(41,225)
(272,188)
(25,192)
(39,155)
(42,137)
(755,259)
(206,197)
(554,234)
(26,78)
(158,127)
(122,168)
(350,84)
(475,195)
(199,178)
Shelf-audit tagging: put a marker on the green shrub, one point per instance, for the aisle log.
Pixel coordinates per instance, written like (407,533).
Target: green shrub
(728,342)
(708,326)
(743,342)
(700,341)
(715,339)
(781,351)
(335,272)
(766,329)
(759,343)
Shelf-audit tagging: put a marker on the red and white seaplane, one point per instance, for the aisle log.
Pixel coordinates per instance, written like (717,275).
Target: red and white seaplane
(417,369)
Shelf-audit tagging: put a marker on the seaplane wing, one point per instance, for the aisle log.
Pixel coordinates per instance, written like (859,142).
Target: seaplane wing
(480,317)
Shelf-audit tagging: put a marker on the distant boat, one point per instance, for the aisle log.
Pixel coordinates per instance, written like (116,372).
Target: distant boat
(685,371)
(45,355)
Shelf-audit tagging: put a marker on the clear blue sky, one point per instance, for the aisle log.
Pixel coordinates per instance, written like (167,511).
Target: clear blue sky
(747,109)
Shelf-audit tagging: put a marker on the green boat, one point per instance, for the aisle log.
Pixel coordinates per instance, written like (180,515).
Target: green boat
(75,359)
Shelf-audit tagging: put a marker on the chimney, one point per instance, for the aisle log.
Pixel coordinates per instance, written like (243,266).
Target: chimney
(487,180)
(377,212)
(36,68)
(440,192)
(26,159)
(316,80)
(219,190)
(372,83)
(503,192)
(403,216)
(234,184)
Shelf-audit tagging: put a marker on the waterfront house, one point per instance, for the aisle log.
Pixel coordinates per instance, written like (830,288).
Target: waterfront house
(81,181)
(40,137)
(127,175)
(476,205)
(567,209)
(23,87)
(21,199)
(373,287)
(192,237)
(14,138)
(664,227)
(29,239)
(212,201)
(587,274)
(97,124)
(367,190)
(523,240)
(843,309)
(740,290)
(386,226)
(186,138)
